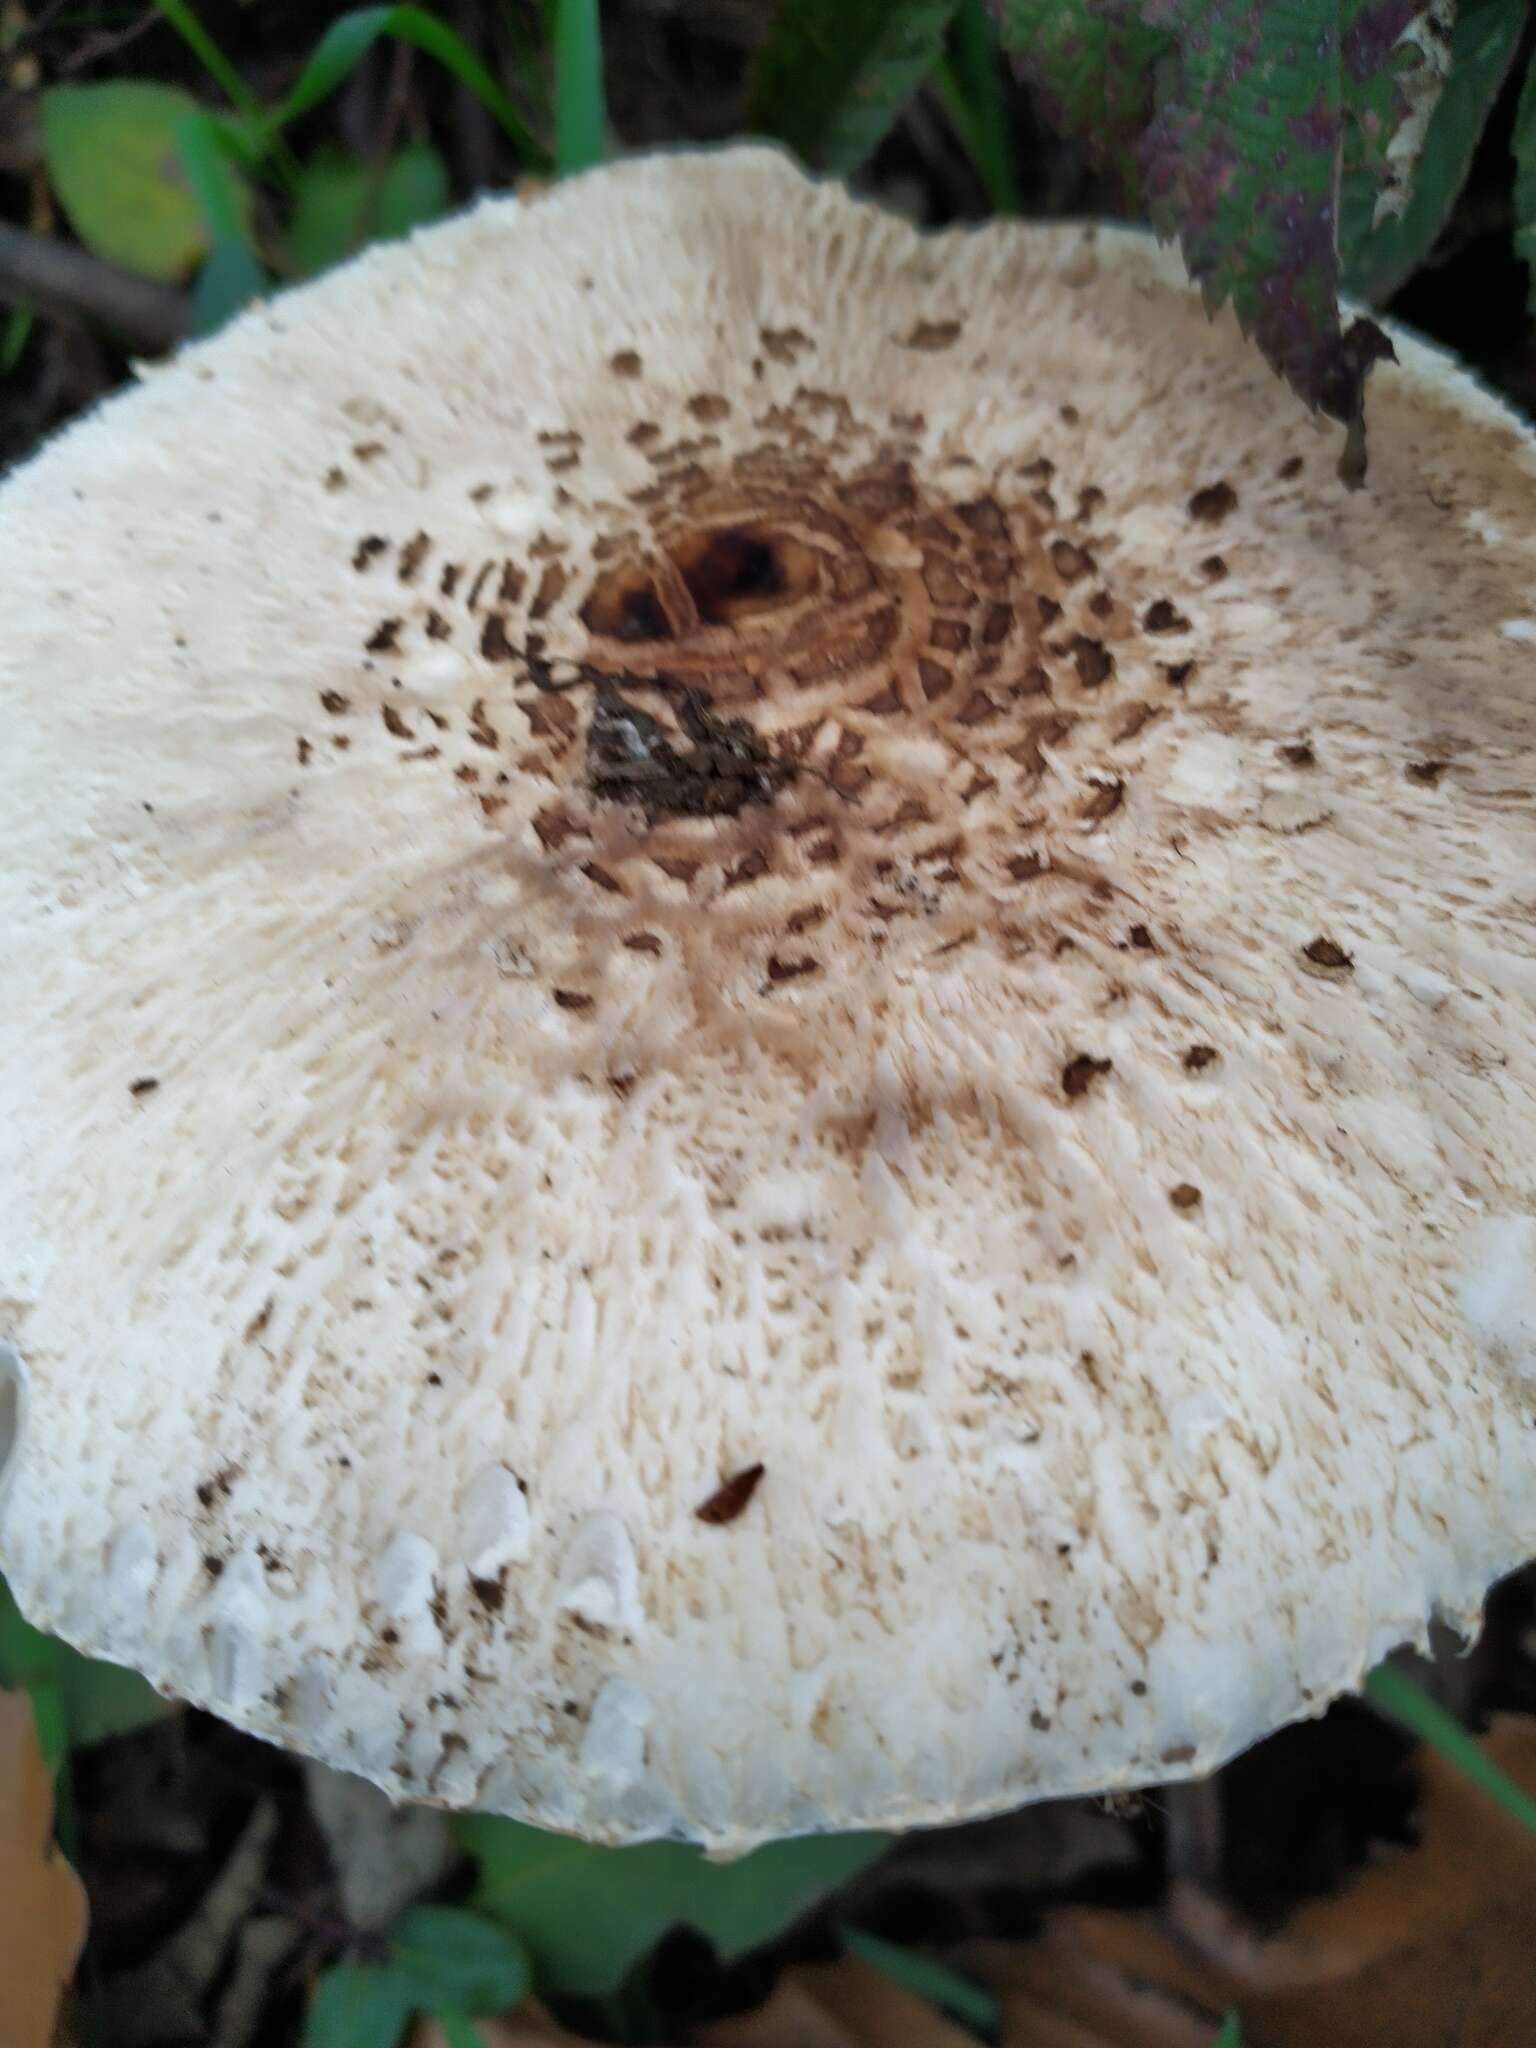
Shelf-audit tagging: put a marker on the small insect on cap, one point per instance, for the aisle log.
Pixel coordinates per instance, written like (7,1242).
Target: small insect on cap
(768,1058)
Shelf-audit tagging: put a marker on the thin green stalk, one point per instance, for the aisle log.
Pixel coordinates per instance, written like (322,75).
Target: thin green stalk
(947,1989)
(211,57)
(580,115)
(978,81)
(1407,1703)
(13,337)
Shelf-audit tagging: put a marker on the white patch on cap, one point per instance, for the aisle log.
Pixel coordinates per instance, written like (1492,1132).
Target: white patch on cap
(613,1747)
(403,1584)
(599,1576)
(1498,1290)
(1519,629)
(133,1565)
(498,1528)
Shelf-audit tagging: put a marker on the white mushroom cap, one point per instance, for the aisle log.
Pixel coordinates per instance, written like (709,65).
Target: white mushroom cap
(1002,994)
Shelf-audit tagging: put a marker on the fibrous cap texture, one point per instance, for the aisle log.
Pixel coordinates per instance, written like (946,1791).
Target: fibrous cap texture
(767,1058)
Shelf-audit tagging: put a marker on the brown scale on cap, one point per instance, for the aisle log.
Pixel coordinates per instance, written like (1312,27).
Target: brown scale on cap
(831,704)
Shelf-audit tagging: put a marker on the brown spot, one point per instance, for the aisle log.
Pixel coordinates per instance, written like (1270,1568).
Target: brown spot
(1093,661)
(572,999)
(412,555)
(1162,617)
(1288,469)
(783,344)
(383,638)
(642,433)
(491,1593)
(932,335)
(1181,1754)
(1025,866)
(1080,1073)
(438,627)
(1106,799)
(553,827)
(936,681)
(626,363)
(512,584)
(394,723)
(370,546)
(1101,604)
(213,1566)
(1185,1196)
(482,575)
(334,702)
(1136,716)
(996,624)
(448,582)
(368,451)
(1299,754)
(644,942)
(780,970)
(1142,939)
(494,644)
(596,873)
(709,408)
(335,479)
(1049,610)
(1426,773)
(1213,568)
(551,589)
(1212,504)
(1070,561)
(145,1085)
(730,1498)
(1327,954)
(304,751)
(1198,1057)
(1178,673)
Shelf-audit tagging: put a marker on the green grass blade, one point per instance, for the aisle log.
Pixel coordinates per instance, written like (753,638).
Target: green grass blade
(834,76)
(580,113)
(211,57)
(14,336)
(1412,1707)
(947,1989)
(979,79)
(349,39)
(1231,2035)
(233,274)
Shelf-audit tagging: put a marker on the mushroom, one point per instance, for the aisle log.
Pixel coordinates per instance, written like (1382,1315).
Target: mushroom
(767,1058)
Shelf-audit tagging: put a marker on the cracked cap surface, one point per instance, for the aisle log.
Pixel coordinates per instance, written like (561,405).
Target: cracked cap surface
(768,1058)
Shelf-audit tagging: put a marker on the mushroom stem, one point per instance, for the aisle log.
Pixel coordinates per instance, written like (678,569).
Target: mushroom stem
(1193,1831)
(69,283)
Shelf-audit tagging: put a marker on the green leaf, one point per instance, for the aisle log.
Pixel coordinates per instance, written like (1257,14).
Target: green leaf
(832,79)
(459,1962)
(580,115)
(978,76)
(586,1914)
(111,154)
(78,1699)
(337,207)
(1231,2035)
(210,56)
(1379,260)
(1253,110)
(1397,1695)
(14,337)
(226,284)
(357,2005)
(1525,183)
(348,40)
(959,1996)
(1092,76)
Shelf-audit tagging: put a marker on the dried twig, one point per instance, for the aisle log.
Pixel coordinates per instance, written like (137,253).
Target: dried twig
(70,283)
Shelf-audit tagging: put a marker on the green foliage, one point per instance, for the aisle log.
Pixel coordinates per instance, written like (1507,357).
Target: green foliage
(1092,74)
(945,1988)
(441,1961)
(339,203)
(210,56)
(586,1915)
(832,79)
(972,91)
(112,156)
(77,1699)
(1379,259)
(348,40)
(1231,2035)
(580,114)
(1397,1695)
(1525,182)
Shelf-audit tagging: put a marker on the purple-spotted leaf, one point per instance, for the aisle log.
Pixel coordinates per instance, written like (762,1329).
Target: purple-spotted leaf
(1250,111)
(1092,75)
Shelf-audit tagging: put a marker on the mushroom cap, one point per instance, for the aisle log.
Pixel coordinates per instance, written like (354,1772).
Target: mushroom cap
(767,1059)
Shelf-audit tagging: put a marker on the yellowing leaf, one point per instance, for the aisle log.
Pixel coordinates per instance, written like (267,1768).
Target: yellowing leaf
(42,1904)
(112,156)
